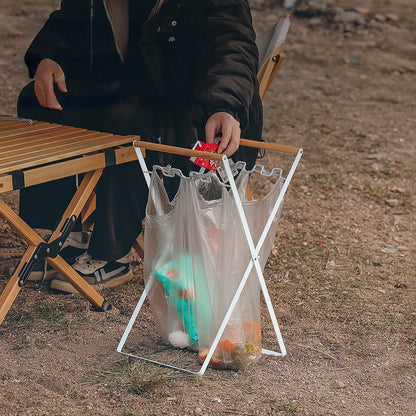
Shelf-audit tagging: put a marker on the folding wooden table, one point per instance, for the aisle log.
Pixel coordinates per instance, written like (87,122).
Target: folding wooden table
(32,153)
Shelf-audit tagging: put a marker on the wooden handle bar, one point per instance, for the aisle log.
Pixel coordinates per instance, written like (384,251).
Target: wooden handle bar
(177,150)
(269,146)
(213,156)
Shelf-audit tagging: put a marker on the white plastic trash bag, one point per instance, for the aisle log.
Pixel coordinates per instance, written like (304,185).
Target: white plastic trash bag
(196,254)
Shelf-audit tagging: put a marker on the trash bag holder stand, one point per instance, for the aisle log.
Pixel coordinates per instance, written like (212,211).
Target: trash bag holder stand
(254,249)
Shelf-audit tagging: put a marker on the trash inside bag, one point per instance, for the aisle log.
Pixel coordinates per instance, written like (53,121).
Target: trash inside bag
(196,254)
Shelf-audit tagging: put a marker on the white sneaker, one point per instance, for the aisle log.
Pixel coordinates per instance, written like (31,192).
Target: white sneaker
(97,272)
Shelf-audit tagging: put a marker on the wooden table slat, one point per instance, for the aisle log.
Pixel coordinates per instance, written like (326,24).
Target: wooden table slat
(71,150)
(9,135)
(11,123)
(34,145)
(22,140)
(4,129)
(25,146)
(62,169)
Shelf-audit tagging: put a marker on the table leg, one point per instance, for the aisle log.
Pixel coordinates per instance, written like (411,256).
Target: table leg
(12,288)
(75,207)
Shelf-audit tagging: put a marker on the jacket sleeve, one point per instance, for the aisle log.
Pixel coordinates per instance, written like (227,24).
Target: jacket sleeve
(226,59)
(63,38)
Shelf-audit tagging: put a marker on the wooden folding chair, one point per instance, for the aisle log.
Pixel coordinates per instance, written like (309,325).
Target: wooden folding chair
(269,44)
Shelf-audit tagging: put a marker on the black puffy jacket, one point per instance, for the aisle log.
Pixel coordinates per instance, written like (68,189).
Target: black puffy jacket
(201,57)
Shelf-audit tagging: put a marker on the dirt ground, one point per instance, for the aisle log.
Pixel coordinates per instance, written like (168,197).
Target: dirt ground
(341,274)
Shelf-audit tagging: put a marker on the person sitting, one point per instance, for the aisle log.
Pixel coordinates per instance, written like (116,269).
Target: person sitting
(173,71)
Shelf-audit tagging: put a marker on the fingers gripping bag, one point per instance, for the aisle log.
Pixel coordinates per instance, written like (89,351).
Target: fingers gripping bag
(196,253)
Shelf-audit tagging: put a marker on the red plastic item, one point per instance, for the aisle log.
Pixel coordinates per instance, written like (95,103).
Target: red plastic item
(205,163)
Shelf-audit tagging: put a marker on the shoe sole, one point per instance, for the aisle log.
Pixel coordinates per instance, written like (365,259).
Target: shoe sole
(64,286)
(37,275)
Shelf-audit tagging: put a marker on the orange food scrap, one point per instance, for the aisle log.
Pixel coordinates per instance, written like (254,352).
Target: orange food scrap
(212,361)
(226,346)
(252,331)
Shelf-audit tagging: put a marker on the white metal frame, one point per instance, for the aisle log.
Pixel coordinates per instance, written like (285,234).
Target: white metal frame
(254,262)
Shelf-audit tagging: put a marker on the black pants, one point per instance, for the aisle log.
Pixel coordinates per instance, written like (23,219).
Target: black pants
(121,191)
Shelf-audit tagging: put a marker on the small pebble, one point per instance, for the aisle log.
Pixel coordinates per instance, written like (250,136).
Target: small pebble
(339,384)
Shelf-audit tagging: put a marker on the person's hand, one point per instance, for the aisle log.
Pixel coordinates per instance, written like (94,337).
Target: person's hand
(47,74)
(229,127)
